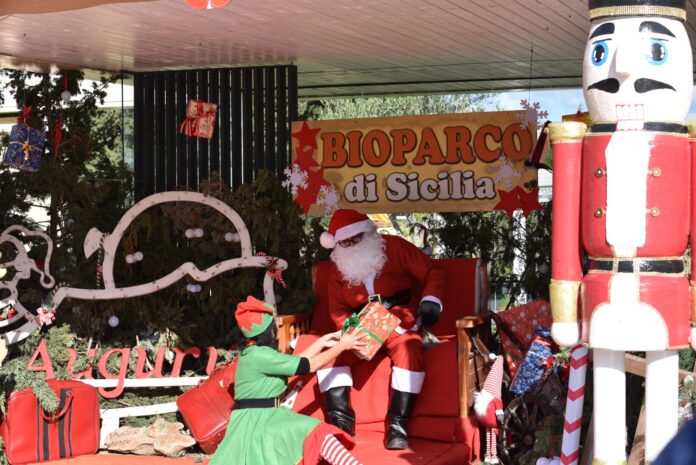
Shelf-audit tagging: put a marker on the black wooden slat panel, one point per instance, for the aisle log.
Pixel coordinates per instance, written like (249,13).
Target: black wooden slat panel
(236,153)
(255,106)
(181,164)
(292,92)
(214,97)
(269,117)
(191,146)
(225,126)
(203,143)
(247,129)
(258,119)
(282,121)
(149,165)
(158,113)
(138,142)
(171,128)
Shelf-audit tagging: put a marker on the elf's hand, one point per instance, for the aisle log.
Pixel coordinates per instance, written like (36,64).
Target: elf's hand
(429,312)
(692,338)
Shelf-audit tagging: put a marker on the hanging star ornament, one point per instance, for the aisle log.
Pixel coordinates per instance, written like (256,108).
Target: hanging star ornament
(305,159)
(306,137)
(529,200)
(509,201)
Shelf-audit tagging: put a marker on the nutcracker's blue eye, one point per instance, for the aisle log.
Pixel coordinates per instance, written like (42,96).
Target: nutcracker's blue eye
(600,52)
(656,52)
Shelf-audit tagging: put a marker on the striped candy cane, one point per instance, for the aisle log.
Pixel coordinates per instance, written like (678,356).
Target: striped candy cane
(579,356)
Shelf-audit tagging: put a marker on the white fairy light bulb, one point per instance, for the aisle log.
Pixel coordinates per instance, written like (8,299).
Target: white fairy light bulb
(130,259)
(65,96)
(198,232)
(543,268)
(113,321)
(138,256)
(189,233)
(191,288)
(232,237)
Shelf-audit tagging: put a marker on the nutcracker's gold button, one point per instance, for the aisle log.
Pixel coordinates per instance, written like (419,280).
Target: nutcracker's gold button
(599,212)
(654,211)
(656,172)
(599,172)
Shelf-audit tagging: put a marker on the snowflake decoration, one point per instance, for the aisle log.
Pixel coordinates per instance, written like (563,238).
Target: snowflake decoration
(294,179)
(329,198)
(506,173)
(530,114)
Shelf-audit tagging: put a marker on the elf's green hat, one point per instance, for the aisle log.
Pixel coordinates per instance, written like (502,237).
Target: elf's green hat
(254,316)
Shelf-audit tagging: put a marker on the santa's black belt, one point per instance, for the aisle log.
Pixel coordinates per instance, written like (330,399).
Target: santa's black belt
(257,403)
(401,297)
(638,265)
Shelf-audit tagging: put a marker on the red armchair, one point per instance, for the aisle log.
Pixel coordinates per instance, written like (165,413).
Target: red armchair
(443,432)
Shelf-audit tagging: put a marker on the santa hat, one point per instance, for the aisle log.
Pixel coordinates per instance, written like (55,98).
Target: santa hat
(488,403)
(673,9)
(254,316)
(344,224)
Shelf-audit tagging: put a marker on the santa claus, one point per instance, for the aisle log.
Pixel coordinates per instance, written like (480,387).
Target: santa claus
(365,264)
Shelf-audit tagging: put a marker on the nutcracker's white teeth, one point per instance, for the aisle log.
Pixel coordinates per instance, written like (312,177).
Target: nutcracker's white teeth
(629,117)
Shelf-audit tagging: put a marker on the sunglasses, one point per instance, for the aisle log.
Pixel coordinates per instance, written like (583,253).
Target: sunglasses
(351,241)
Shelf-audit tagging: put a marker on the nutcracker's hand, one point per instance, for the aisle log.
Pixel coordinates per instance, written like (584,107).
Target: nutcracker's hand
(692,338)
(429,313)
(565,334)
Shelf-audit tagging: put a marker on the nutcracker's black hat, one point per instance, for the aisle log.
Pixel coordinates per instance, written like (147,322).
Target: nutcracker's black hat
(674,9)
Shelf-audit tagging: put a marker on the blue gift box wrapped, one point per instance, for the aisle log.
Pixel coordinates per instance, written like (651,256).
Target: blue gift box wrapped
(534,363)
(26,147)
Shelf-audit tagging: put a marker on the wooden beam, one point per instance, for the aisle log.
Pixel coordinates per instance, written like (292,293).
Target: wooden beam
(637,456)
(636,366)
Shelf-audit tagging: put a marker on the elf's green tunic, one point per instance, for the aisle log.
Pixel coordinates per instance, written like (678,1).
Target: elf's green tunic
(264,436)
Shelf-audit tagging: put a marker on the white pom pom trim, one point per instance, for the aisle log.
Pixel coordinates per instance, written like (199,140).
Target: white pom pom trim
(327,240)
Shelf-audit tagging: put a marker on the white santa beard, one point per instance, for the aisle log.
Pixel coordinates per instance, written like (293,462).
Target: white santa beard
(361,261)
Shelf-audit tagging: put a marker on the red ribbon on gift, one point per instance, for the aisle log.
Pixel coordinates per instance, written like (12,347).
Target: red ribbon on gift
(57,135)
(273,270)
(26,110)
(189,126)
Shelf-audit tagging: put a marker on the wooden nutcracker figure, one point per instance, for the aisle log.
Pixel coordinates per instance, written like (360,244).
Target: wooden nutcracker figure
(624,191)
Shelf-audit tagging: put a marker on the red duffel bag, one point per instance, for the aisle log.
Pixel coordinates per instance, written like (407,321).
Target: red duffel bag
(33,435)
(206,407)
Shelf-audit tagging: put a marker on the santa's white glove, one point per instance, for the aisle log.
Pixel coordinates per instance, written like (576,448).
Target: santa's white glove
(692,338)
(565,334)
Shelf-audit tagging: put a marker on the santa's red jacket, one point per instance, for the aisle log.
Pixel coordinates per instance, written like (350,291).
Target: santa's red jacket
(407,267)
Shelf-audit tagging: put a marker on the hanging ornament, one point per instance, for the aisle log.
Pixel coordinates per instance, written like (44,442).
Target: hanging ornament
(57,135)
(113,320)
(65,96)
(207,4)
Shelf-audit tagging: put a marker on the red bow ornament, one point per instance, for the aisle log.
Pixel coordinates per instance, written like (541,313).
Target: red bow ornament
(272,269)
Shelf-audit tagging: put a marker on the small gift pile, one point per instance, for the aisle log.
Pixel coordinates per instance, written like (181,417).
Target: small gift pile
(26,147)
(377,322)
(535,362)
(522,321)
(200,119)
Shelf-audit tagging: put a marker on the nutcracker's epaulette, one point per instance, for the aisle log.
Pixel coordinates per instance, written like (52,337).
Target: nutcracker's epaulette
(650,126)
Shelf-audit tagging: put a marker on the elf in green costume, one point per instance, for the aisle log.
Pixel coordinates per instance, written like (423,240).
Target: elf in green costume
(261,432)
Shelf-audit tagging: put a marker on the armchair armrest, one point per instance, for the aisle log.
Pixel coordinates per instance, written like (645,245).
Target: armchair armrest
(290,327)
(472,359)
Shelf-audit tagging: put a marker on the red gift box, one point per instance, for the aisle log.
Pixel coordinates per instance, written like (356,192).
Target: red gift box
(522,322)
(377,322)
(200,119)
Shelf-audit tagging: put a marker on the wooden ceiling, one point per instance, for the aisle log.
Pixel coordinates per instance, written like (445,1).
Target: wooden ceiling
(341,47)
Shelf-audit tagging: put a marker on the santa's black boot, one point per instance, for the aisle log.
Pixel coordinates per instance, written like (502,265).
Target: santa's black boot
(338,410)
(399,412)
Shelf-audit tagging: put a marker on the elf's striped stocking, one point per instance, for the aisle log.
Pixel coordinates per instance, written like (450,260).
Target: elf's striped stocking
(333,452)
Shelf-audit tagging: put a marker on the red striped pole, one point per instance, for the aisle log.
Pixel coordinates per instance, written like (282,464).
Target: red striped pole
(570,447)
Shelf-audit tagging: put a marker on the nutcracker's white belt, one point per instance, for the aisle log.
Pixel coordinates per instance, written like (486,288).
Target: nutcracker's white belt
(662,265)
